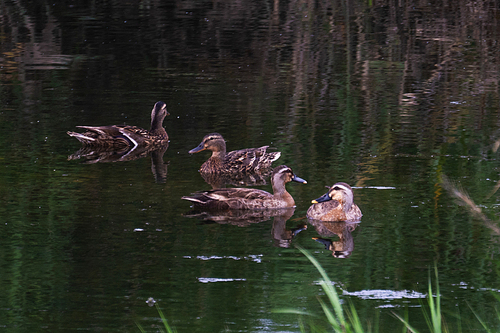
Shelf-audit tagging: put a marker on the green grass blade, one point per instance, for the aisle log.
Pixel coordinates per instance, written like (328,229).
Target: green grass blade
(140,327)
(354,319)
(327,286)
(435,305)
(407,324)
(480,320)
(292,311)
(163,319)
(329,315)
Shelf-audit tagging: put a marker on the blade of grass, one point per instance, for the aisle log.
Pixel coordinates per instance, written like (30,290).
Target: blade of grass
(354,319)
(293,311)
(140,327)
(327,286)
(480,320)
(407,324)
(163,319)
(329,315)
(435,305)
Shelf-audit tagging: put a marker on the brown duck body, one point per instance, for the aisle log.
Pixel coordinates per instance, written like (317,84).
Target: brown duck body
(123,136)
(336,205)
(248,198)
(244,160)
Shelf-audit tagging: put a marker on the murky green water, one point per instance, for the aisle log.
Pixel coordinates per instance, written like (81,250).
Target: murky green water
(388,99)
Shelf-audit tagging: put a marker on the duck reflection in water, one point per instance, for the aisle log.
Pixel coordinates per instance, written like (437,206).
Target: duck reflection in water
(237,161)
(92,155)
(336,205)
(244,218)
(249,198)
(240,218)
(281,235)
(345,245)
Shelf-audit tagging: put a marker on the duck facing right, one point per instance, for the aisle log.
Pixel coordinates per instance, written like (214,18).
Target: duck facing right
(335,205)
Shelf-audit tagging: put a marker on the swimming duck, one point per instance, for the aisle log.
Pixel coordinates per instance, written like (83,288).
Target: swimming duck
(336,205)
(123,136)
(249,198)
(244,160)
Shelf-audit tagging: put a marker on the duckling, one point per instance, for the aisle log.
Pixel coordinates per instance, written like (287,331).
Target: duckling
(249,198)
(244,160)
(336,205)
(124,136)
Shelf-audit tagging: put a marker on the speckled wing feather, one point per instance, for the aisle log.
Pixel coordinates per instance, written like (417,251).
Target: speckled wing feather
(230,198)
(251,159)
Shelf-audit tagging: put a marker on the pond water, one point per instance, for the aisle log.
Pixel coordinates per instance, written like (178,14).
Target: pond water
(391,98)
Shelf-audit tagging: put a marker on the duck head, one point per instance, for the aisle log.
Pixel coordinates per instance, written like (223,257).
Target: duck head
(340,192)
(158,113)
(283,174)
(213,141)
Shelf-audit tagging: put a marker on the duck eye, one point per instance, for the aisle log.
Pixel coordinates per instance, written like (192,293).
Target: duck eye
(336,188)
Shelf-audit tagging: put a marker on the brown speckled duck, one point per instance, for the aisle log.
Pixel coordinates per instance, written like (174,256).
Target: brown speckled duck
(336,205)
(244,160)
(123,136)
(249,198)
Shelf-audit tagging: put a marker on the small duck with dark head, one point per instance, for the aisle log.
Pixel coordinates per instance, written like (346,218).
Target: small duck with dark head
(249,198)
(244,160)
(123,136)
(335,205)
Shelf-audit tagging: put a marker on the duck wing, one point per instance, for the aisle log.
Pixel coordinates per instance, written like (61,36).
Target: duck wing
(320,210)
(105,136)
(251,159)
(230,198)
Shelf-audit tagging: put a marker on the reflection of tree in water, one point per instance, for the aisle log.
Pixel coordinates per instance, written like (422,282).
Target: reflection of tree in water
(33,46)
(336,65)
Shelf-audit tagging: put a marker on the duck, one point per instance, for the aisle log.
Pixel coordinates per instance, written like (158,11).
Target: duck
(335,205)
(244,160)
(249,198)
(126,136)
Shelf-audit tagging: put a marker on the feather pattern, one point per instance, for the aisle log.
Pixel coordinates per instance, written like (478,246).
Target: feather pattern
(336,205)
(123,136)
(243,160)
(248,198)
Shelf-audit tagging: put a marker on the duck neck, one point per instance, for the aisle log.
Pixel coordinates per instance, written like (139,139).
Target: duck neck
(280,192)
(156,126)
(156,123)
(219,152)
(346,205)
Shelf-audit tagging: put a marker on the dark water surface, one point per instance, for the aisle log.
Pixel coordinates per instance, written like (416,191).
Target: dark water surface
(388,98)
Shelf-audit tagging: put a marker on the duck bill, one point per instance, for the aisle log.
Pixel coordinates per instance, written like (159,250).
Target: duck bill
(197,149)
(299,180)
(325,242)
(323,198)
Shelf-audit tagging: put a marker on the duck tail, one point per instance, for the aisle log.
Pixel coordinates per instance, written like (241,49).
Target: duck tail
(274,156)
(80,137)
(199,199)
